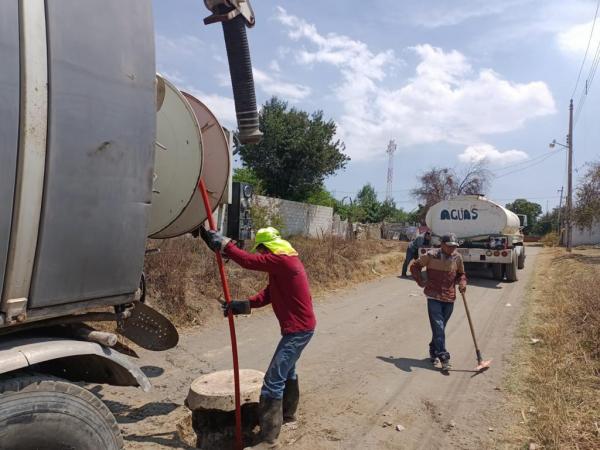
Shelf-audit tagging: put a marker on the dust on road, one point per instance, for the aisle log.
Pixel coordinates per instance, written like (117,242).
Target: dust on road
(365,371)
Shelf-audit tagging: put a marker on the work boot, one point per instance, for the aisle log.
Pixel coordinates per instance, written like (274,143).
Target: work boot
(291,397)
(446,366)
(270,418)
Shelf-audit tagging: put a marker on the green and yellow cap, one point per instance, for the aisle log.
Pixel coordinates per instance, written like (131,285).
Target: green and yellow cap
(271,238)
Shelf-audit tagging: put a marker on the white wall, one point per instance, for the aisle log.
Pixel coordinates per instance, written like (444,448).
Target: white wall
(586,236)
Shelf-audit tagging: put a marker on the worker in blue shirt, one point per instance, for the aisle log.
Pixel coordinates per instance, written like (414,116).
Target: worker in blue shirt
(412,251)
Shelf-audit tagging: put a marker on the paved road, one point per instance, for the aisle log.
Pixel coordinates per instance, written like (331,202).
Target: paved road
(367,365)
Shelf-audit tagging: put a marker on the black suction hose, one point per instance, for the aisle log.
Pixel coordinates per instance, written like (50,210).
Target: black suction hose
(240,69)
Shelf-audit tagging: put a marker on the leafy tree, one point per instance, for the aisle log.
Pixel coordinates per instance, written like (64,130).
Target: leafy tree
(587,201)
(247,175)
(322,197)
(530,209)
(297,152)
(547,222)
(439,184)
(367,199)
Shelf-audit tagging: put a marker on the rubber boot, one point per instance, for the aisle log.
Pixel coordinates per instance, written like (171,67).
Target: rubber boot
(291,397)
(270,418)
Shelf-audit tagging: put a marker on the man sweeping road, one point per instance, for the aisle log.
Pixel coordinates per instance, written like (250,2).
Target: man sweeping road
(445,269)
(289,294)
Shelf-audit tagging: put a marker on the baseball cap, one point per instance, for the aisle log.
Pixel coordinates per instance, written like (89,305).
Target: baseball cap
(450,239)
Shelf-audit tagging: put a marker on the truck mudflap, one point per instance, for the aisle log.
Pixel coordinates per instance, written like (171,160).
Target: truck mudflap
(71,359)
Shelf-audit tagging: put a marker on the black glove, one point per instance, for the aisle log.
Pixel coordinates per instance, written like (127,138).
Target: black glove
(215,241)
(236,307)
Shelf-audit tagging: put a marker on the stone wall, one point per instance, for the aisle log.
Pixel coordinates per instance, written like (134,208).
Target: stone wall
(301,218)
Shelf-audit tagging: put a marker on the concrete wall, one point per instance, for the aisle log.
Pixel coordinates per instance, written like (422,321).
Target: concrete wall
(300,218)
(586,236)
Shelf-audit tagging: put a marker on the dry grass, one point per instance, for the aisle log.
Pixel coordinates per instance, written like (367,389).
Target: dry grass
(556,384)
(550,239)
(183,279)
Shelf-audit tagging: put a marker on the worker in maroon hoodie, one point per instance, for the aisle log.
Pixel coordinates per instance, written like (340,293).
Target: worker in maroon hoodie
(289,294)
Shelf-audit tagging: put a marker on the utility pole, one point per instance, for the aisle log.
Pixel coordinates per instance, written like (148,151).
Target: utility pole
(570,178)
(390,173)
(560,211)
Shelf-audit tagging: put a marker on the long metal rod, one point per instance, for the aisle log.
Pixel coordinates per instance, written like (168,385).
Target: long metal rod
(226,293)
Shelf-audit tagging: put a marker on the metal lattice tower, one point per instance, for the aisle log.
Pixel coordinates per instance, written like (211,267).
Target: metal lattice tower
(391,149)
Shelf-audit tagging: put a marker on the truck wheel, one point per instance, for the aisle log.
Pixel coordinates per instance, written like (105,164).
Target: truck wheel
(45,412)
(511,269)
(497,271)
(521,259)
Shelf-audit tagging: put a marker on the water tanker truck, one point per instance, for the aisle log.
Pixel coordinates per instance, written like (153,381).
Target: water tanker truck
(488,234)
(97,153)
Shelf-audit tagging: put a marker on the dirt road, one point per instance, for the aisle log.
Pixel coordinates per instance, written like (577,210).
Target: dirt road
(365,371)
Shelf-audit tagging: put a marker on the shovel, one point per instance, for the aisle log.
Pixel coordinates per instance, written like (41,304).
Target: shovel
(481,364)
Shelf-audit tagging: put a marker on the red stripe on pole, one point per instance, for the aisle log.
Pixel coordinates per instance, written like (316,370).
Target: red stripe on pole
(236,367)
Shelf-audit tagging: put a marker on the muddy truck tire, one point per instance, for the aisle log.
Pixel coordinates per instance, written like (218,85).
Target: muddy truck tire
(511,269)
(498,271)
(521,260)
(45,412)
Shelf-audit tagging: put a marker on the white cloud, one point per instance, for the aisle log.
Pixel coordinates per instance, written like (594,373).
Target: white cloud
(489,154)
(446,100)
(273,85)
(434,14)
(186,45)
(274,66)
(575,39)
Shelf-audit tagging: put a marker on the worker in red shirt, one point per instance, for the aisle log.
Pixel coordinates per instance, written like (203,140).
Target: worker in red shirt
(289,294)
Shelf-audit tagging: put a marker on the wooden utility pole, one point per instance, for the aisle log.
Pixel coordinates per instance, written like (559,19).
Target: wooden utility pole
(570,181)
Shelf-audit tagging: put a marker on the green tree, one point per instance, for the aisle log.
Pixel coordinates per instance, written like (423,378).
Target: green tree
(367,200)
(322,197)
(247,175)
(530,209)
(297,152)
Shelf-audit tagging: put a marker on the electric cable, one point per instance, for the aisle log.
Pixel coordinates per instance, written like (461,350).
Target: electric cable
(586,50)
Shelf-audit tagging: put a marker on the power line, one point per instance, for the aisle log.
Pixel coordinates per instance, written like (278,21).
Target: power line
(586,50)
(588,83)
(549,155)
(521,163)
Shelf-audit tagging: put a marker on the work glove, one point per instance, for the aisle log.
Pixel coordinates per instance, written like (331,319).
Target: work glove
(215,241)
(462,288)
(236,307)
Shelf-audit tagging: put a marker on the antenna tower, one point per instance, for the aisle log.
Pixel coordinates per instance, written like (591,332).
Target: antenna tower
(391,149)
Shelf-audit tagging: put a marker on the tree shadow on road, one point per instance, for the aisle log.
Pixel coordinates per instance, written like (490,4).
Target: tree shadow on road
(407,364)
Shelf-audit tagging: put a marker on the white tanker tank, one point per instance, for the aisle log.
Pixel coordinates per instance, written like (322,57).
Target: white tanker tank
(470,216)
(487,233)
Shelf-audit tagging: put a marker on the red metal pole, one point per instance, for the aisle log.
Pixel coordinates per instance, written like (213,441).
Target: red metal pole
(236,367)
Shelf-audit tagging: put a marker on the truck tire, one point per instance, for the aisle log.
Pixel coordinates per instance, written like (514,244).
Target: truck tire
(497,271)
(511,269)
(39,412)
(521,259)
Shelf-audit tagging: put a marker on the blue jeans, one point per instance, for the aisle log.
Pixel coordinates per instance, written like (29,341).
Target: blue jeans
(439,313)
(410,255)
(283,364)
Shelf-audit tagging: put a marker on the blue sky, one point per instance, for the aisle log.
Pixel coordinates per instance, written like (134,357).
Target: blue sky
(451,82)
